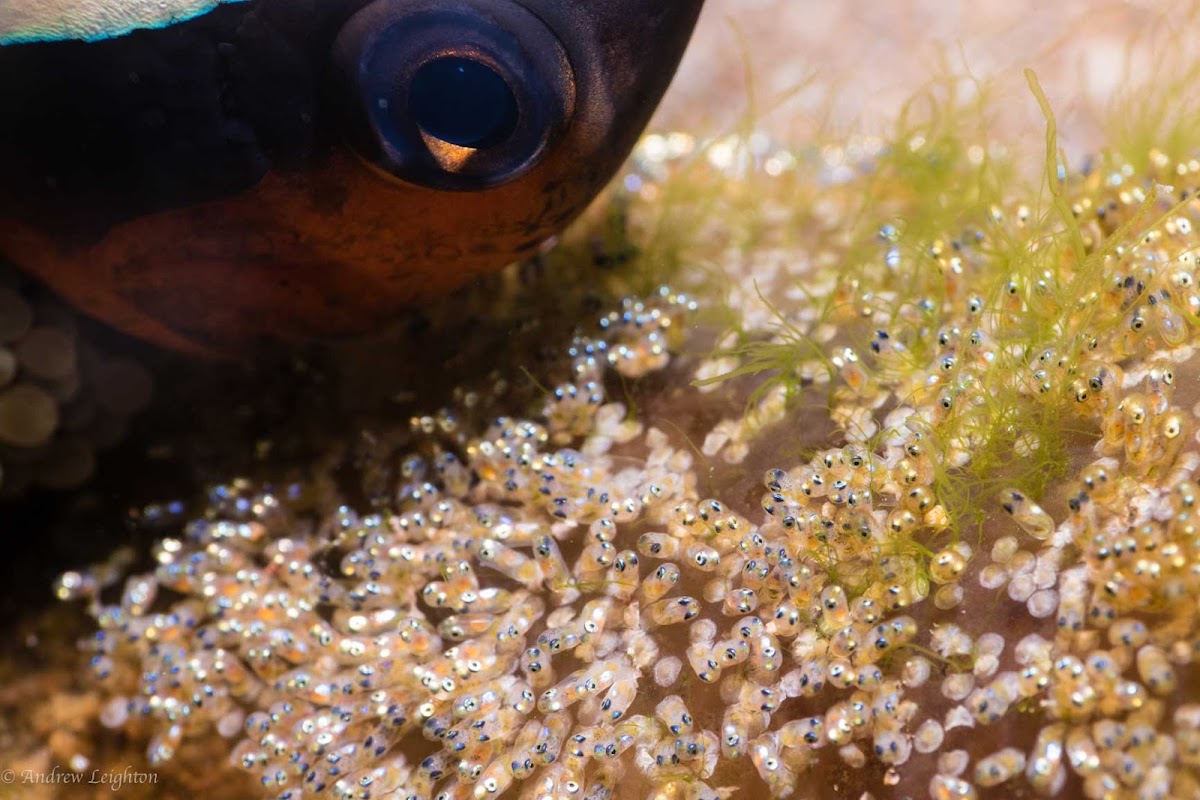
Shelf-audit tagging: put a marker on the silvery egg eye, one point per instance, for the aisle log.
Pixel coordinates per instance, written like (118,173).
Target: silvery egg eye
(452,94)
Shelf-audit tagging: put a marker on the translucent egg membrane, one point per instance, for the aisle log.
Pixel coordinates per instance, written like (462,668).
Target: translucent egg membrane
(61,401)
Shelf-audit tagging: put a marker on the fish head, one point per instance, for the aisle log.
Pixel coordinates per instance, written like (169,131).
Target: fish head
(290,169)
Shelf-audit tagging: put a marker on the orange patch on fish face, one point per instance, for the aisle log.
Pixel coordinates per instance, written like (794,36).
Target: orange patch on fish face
(334,252)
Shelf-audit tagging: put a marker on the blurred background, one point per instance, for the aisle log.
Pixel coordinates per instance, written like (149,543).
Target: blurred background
(849,66)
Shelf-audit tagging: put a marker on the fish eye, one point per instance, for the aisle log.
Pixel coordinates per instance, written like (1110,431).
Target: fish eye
(458,98)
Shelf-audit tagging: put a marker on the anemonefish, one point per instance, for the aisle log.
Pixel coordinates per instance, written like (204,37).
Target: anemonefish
(209,174)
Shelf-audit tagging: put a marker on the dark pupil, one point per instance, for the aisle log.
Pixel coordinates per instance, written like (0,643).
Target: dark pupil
(462,102)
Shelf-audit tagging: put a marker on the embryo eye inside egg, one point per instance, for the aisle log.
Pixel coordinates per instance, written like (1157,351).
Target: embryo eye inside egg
(890,494)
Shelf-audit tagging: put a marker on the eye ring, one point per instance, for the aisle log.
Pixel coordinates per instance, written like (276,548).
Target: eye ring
(514,82)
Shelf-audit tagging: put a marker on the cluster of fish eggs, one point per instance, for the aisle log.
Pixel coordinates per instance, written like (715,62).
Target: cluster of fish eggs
(553,609)
(60,400)
(1114,579)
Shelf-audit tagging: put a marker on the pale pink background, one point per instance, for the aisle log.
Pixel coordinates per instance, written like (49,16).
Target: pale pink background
(867,56)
